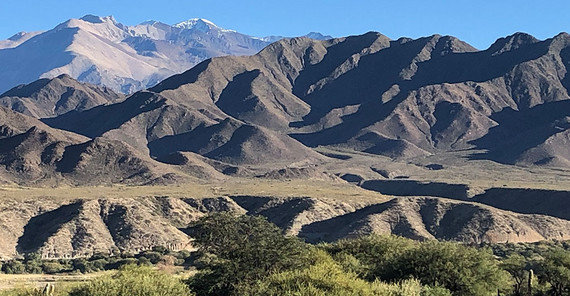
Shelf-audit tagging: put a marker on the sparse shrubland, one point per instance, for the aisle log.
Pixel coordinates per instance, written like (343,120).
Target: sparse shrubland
(32,262)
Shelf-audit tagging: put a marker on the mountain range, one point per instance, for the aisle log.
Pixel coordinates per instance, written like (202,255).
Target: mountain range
(102,51)
(475,142)
(396,98)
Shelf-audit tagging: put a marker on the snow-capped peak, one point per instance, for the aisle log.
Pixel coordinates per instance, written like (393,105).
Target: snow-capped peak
(198,24)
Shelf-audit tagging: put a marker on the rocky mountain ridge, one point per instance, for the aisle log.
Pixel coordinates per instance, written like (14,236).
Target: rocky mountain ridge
(131,225)
(396,98)
(51,97)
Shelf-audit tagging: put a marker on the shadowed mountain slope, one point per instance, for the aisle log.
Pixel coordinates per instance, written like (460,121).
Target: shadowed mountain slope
(435,218)
(35,154)
(52,97)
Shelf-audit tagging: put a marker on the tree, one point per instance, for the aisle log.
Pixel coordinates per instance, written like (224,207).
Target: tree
(516,266)
(52,267)
(555,269)
(152,256)
(33,262)
(236,250)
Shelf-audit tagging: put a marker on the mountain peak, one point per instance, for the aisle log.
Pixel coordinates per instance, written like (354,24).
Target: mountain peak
(17,36)
(198,24)
(149,22)
(512,42)
(318,36)
(90,18)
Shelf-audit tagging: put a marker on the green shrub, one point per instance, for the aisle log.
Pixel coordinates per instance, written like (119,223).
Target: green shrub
(52,267)
(144,261)
(372,252)
(29,291)
(153,257)
(463,270)
(33,267)
(161,250)
(79,264)
(96,265)
(127,261)
(435,291)
(133,280)
(327,278)
(13,267)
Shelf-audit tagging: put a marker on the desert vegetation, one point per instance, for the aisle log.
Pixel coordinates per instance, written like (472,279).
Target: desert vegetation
(32,263)
(247,255)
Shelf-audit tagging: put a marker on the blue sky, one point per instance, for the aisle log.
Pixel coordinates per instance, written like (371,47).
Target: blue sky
(477,22)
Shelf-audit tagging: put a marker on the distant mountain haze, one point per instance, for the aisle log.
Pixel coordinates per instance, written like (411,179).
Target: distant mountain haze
(102,51)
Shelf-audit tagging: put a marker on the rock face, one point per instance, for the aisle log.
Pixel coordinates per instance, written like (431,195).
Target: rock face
(101,51)
(51,97)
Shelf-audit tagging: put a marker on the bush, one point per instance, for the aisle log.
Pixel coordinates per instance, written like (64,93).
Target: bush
(52,267)
(21,292)
(161,250)
(327,278)
(371,253)
(133,280)
(96,265)
(127,261)
(462,270)
(13,267)
(79,264)
(153,257)
(29,291)
(144,261)
(435,291)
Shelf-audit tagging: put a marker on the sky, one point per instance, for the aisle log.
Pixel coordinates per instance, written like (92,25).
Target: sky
(479,23)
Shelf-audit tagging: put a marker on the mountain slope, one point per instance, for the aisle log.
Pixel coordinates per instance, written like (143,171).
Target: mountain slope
(159,126)
(436,218)
(76,228)
(402,98)
(35,154)
(398,98)
(52,97)
(80,228)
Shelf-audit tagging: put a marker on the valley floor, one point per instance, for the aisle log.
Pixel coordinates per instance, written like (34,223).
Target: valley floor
(11,281)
